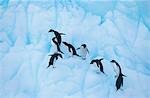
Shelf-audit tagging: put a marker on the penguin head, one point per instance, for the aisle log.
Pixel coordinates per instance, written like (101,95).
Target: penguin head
(51,30)
(95,60)
(65,43)
(113,61)
(83,45)
(92,62)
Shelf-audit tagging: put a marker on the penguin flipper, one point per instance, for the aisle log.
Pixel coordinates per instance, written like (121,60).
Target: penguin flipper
(123,75)
(97,65)
(88,51)
(62,33)
(122,82)
(77,55)
(61,52)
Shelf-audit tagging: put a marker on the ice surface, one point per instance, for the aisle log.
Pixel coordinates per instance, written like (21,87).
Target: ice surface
(111,29)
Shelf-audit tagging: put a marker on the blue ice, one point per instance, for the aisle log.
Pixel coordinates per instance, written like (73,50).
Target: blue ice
(113,29)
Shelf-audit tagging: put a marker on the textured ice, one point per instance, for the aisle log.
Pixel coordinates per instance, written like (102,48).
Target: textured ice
(111,29)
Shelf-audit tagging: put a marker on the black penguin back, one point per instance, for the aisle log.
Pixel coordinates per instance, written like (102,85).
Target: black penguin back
(119,81)
(101,67)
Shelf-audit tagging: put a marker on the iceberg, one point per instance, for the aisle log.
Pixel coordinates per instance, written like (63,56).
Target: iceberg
(111,29)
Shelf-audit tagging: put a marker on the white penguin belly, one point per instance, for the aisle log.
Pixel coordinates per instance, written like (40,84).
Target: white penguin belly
(83,52)
(53,48)
(116,69)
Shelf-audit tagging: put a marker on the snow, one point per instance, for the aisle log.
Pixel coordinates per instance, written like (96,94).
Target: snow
(111,29)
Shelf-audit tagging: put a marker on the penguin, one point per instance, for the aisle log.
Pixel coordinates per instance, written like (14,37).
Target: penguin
(71,49)
(53,58)
(57,35)
(117,69)
(83,50)
(57,45)
(99,64)
(95,61)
